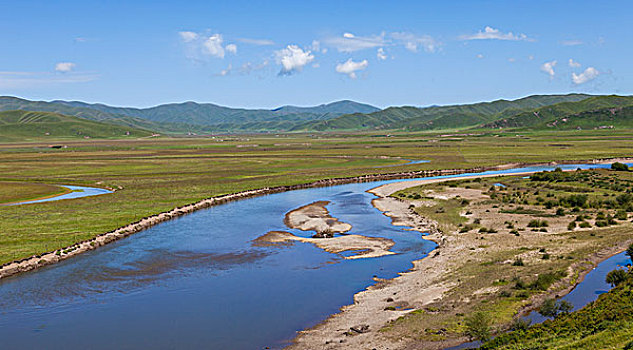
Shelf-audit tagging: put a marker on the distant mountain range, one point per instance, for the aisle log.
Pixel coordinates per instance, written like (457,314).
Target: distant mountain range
(192,116)
(28,125)
(532,112)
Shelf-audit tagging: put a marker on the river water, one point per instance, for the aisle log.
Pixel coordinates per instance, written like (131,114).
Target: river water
(198,282)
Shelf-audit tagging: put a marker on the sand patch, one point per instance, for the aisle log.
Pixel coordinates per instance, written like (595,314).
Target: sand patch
(316,217)
(365,247)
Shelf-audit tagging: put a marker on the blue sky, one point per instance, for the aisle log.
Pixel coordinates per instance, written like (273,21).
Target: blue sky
(267,54)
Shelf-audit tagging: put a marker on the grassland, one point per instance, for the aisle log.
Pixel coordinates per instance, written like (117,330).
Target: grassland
(510,246)
(22,191)
(156,175)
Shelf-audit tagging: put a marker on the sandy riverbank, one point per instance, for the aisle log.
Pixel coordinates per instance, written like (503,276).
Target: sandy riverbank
(363,247)
(425,283)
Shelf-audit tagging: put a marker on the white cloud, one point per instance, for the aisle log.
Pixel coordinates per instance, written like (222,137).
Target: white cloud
(573,63)
(316,46)
(350,67)
(226,71)
(548,67)
(588,75)
(248,67)
(293,59)
(258,42)
(531,57)
(480,56)
(490,33)
(351,43)
(231,48)
(213,45)
(512,59)
(571,42)
(380,54)
(64,67)
(412,42)
(199,45)
(188,36)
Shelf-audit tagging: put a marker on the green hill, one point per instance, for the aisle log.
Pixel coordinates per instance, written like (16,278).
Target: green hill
(26,126)
(551,116)
(438,117)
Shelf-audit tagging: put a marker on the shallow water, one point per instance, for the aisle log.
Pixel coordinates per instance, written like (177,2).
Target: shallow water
(77,192)
(198,282)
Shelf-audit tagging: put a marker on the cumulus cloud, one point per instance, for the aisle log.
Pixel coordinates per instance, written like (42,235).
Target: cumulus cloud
(380,54)
(258,42)
(350,67)
(548,67)
(293,59)
(412,42)
(588,75)
(351,43)
(200,45)
(188,36)
(490,33)
(64,67)
(574,64)
(213,45)
(480,56)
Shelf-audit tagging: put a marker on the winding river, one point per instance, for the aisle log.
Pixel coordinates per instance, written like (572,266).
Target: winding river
(198,281)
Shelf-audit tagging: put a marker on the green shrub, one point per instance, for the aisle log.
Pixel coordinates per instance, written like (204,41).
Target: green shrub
(538,223)
(551,307)
(478,327)
(584,224)
(616,277)
(617,166)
